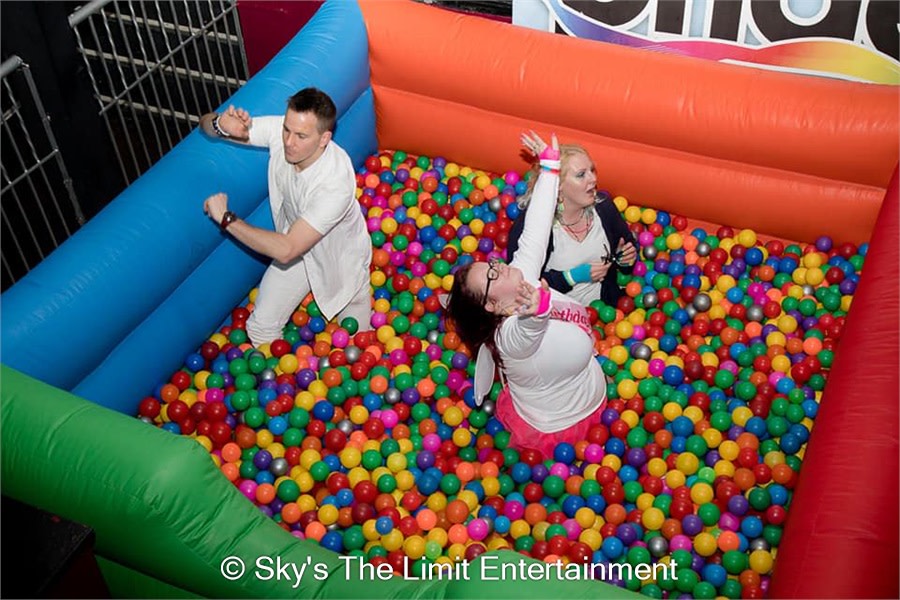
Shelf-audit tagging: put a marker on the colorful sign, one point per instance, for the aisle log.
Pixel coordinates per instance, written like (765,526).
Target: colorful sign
(848,39)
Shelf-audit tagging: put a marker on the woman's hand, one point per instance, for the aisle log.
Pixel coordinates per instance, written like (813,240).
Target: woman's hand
(599,269)
(626,253)
(539,148)
(528,299)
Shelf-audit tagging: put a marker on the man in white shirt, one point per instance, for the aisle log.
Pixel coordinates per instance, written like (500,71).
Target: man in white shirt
(320,242)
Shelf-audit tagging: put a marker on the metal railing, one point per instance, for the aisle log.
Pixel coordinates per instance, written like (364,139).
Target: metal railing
(38,206)
(155,67)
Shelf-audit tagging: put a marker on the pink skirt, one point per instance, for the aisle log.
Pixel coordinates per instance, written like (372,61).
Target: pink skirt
(523,435)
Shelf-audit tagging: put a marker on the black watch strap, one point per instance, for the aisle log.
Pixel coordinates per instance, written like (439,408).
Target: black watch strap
(227,219)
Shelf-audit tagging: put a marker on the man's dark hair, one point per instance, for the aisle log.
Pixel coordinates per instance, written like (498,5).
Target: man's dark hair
(317,102)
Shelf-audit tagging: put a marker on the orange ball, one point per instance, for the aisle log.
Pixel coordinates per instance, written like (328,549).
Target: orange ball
(457,511)
(535,513)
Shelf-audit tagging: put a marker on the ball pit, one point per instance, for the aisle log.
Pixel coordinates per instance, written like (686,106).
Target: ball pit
(370,445)
(616,471)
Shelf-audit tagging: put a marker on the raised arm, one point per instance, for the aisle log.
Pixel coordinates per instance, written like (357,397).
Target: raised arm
(532,244)
(232,125)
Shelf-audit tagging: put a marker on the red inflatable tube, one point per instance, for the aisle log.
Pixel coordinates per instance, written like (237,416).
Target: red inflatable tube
(841,539)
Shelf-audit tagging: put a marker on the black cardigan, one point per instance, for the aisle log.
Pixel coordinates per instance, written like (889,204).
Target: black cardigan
(616,229)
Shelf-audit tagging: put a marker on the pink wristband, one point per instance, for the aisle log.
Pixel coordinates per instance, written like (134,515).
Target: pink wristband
(544,302)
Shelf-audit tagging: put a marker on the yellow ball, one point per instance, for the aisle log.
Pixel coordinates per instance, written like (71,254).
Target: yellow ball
(328,514)
(675,479)
(648,216)
(288,363)
(687,463)
(264,437)
(729,450)
(405,480)
(592,538)
(469,244)
(350,457)
(761,561)
(705,544)
(359,414)
(632,214)
(674,241)
(657,467)
(723,468)
(453,416)
(701,493)
(787,324)
(392,541)
(318,389)
(414,547)
(725,283)
(747,238)
(624,329)
(652,518)
(385,333)
(640,368)
(741,415)
(618,354)
(621,203)
(396,462)
(627,389)
(712,437)
(585,516)
(462,437)
(519,528)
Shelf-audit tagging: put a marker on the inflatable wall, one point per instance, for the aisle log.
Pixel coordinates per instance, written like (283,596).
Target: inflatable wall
(107,317)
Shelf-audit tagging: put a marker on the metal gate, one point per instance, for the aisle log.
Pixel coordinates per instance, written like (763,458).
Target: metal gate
(38,206)
(156,67)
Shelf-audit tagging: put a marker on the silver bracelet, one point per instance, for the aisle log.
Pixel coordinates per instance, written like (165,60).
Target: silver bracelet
(219,131)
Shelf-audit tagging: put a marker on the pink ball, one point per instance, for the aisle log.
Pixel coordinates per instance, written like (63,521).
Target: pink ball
(646,238)
(593,453)
(373,224)
(511,178)
(729,522)
(573,529)
(729,365)
(680,542)
(313,363)
(640,269)
(656,367)
(248,488)
(378,319)
(414,249)
(389,418)
(560,470)
(478,529)
(638,332)
(419,269)
(340,338)
(513,510)
(431,442)
(215,395)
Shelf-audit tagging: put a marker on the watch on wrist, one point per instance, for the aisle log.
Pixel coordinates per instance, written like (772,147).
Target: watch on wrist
(227,219)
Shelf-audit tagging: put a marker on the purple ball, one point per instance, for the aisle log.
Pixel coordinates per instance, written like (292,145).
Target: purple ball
(636,457)
(609,416)
(410,396)
(626,533)
(485,245)
(691,525)
(734,431)
(425,459)
(234,353)
(262,459)
(697,562)
(305,377)
(539,473)
(738,505)
(824,244)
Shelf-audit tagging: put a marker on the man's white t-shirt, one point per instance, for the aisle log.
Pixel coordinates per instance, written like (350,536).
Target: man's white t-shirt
(323,195)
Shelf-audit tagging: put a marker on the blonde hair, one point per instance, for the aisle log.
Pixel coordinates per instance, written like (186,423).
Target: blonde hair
(566,151)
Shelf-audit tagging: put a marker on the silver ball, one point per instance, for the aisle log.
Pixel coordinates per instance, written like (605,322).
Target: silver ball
(755,313)
(488,407)
(267,375)
(691,311)
(658,546)
(759,544)
(495,205)
(345,426)
(392,395)
(255,354)
(279,467)
(324,363)
(641,351)
(650,252)
(651,299)
(702,302)
(433,336)
(146,420)
(703,249)
(332,527)
(809,290)
(352,353)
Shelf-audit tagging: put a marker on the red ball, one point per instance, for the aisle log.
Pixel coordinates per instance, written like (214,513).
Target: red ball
(149,407)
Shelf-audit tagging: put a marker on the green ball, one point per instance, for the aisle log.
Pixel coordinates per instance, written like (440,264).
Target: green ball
(731,589)
(244,381)
(553,486)
(735,561)
(450,484)
(319,471)
(632,489)
(353,538)
(287,490)
(254,417)
(638,555)
(759,498)
(372,459)
(387,484)
(724,379)
(298,417)
(686,579)
(709,513)
(555,530)
(704,590)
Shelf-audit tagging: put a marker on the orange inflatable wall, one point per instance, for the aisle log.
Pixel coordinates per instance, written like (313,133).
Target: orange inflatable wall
(715,142)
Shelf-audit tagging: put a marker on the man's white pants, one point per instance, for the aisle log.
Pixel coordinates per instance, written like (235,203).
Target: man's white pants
(282,288)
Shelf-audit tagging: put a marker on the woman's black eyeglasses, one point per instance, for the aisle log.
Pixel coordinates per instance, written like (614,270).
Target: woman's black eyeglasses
(493,273)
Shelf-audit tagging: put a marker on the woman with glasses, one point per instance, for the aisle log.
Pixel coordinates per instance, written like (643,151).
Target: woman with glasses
(590,241)
(540,339)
